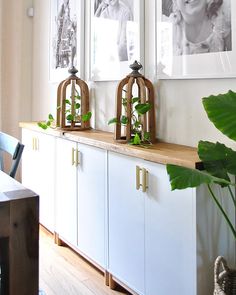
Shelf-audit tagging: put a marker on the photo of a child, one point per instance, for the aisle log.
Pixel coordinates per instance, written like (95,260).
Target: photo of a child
(199,26)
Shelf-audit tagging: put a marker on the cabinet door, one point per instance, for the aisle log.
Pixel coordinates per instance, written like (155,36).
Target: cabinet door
(126,222)
(38,172)
(66,191)
(91,202)
(170,233)
(30,161)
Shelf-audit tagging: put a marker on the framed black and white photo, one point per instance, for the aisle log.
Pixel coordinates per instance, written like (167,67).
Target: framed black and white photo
(66,38)
(195,39)
(116,37)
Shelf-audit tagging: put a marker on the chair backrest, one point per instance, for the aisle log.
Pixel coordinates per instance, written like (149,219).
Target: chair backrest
(12,146)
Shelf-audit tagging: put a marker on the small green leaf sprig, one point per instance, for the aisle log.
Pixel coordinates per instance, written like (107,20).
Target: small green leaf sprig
(139,109)
(69,116)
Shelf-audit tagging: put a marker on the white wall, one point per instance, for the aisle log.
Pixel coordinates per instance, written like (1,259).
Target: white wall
(180,115)
(16,64)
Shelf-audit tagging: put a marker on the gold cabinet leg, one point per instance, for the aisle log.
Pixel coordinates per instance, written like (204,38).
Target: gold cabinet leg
(57,240)
(112,283)
(106,276)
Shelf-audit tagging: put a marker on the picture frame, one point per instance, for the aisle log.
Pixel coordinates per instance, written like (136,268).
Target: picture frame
(116,39)
(191,64)
(66,38)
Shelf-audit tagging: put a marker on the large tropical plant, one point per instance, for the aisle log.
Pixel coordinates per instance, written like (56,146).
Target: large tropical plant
(219,161)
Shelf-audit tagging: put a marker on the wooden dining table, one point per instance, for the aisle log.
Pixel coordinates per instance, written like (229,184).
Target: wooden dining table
(19,238)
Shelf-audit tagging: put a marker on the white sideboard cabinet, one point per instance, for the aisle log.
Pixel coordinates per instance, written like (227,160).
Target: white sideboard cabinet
(38,172)
(114,205)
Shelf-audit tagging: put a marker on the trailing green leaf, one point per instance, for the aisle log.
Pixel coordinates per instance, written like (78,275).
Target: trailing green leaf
(124,101)
(70,117)
(77,106)
(147,136)
(143,108)
(67,101)
(135,99)
(42,125)
(124,120)
(136,140)
(50,117)
(86,117)
(113,121)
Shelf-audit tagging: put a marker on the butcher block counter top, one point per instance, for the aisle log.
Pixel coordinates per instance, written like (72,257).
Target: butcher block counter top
(160,152)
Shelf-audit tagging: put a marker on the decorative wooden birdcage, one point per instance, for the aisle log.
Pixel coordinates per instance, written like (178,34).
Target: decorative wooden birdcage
(135,113)
(73,103)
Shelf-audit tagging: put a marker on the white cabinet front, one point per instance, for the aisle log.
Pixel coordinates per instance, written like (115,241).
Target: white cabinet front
(66,190)
(126,222)
(152,230)
(81,198)
(91,202)
(170,235)
(38,172)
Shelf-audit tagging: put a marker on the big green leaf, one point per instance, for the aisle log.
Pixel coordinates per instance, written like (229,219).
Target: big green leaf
(231,162)
(221,110)
(214,157)
(182,177)
(218,159)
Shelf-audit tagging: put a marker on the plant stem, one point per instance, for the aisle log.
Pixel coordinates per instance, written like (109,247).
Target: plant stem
(222,211)
(232,196)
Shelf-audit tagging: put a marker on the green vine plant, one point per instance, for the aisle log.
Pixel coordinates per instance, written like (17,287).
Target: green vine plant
(219,161)
(76,117)
(138,110)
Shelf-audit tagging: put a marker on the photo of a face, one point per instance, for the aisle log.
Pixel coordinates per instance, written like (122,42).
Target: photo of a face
(198,26)
(191,7)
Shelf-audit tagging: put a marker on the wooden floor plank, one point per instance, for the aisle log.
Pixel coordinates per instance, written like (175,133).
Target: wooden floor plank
(64,272)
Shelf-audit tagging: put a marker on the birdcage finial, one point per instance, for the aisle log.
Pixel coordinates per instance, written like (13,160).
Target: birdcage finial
(135,67)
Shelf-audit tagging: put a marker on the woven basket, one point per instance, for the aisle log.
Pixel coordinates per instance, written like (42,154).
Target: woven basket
(225,278)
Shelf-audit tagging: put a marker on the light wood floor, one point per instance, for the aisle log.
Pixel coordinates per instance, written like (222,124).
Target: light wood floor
(63,272)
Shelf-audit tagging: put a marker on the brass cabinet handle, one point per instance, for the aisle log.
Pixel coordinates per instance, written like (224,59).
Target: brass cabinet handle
(36,144)
(72,156)
(77,156)
(138,185)
(144,180)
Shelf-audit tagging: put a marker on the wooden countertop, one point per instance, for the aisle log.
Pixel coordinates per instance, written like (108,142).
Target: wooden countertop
(159,152)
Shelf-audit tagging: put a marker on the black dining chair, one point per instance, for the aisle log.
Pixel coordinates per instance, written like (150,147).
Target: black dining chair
(12,146)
